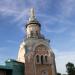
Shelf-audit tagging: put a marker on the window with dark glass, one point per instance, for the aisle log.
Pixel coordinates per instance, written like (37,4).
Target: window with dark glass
(42,59)
(37,58)
(46,58)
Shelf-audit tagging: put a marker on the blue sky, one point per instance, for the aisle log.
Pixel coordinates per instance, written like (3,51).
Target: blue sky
(57,18)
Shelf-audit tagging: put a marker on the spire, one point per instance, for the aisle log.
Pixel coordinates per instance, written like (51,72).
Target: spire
(32,18)
(32,15)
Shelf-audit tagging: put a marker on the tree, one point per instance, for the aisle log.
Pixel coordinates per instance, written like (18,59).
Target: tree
(58,73)
(70,68)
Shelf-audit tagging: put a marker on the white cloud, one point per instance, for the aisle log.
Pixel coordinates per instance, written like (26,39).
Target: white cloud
(8,12)
(62,58)
(20,13)
(67,8)
(55,22)
(12,8)
(22,16)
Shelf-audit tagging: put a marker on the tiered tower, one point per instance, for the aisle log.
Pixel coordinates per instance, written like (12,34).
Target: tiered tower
(35,51)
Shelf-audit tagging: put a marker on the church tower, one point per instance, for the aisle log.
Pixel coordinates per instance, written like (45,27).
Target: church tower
(35,51)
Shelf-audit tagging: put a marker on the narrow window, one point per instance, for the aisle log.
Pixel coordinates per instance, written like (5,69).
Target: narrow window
(37,58)
(42,59)
(31,33)
(46,58)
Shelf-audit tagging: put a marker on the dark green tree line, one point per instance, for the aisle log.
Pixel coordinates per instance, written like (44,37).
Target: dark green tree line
(70,68)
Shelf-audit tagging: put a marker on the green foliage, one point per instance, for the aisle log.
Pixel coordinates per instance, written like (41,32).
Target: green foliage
(70,68)
(58,73)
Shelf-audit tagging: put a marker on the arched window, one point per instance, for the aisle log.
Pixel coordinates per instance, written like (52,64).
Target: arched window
(46,58)
(42,59)
(37,58)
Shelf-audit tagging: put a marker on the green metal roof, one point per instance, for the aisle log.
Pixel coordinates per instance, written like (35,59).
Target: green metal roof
(16,67)
(5,67)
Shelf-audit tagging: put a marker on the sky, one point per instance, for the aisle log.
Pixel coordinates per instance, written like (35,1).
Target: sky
(57,18)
